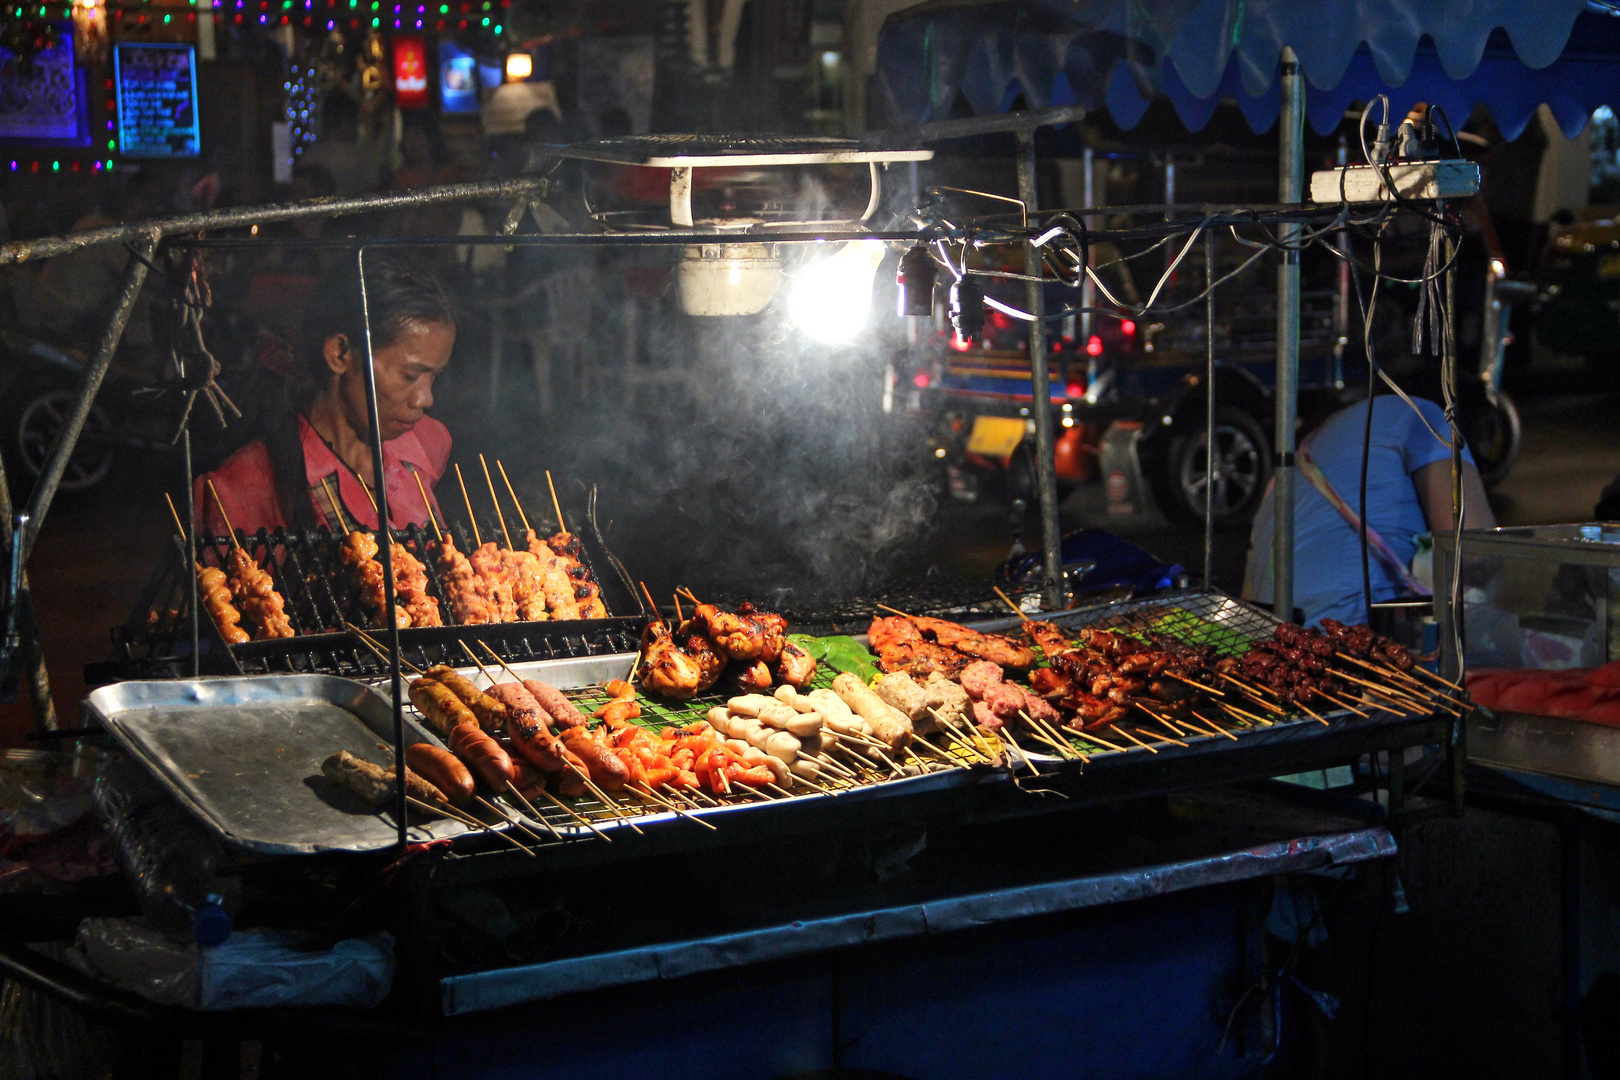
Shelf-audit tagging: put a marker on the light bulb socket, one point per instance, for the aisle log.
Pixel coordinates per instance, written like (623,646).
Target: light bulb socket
(967,309)
(916,277)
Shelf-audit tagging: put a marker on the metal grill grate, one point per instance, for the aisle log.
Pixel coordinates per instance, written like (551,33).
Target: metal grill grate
(1196,617)
(959,599)
(320,597)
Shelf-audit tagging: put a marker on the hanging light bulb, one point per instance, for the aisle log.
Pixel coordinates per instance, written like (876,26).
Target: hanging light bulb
(832,297)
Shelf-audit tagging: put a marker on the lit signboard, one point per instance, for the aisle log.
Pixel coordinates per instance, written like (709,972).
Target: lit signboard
(44,103)
(458,79)
(157,100)
(410,73)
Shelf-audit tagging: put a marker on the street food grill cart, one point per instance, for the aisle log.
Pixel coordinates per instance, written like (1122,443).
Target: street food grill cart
(1002,872)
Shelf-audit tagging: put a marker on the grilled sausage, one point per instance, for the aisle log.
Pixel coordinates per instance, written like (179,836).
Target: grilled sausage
(443,711)
(520,705)
(440,768)
(536,745)
(483,755)
(557,706)
(374,783)
(490,712)
(571,781)
(889,725)
(605,769)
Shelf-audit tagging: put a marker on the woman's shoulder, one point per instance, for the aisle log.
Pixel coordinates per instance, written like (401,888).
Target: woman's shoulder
(432,450)
(249,460)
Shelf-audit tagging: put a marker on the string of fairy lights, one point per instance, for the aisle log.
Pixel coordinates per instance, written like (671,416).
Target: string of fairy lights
(331,14)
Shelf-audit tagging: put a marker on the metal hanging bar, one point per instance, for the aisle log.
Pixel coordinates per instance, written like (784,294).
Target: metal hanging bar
(140,260)
(234,217)
(1290,189)
(1041,391)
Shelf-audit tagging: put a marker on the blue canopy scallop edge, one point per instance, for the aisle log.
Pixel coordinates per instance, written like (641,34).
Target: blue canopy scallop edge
(1510,55)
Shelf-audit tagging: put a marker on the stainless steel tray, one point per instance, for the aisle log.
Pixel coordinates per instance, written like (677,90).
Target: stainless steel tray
(1544,744)
(244,754)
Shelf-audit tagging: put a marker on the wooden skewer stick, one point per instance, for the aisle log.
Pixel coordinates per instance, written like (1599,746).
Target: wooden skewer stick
(1066,752)
(1132,738)
(433,518)
(613,806)
(1383,669)
(1175,726)
(377,647)
(228,526)
(565,808)
(442,808)
(478,541)
(1059,737)
(530,809)
(1156,735)
(1214,728)
(469,821)
(897,611)
(955,732)
(521,515)
(337,505)
(829,763)
(1341,702)
(1199,685)
(1006,737)
(1374,701)
(500,515)
(646,790)
(786,794)
(679,618)
(497,657)
(474,658)
(1390,692)
(1245,715)
(1188,727)
(369,497)
(505,816)
(1318,717)
(650,601)
(1427,674)
(684,591)
(176,513)
(1018,611)
(936,751)
(555,505)
(1252,688)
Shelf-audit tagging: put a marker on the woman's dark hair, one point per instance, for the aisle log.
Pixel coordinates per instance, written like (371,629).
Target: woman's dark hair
(400,292)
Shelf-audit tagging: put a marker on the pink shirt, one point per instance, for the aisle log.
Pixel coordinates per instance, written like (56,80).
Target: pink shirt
(246,483)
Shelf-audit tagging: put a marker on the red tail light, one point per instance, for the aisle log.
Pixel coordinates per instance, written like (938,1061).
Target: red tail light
(1094,346)
(1128,328)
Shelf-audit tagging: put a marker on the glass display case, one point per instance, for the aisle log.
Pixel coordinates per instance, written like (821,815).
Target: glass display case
(1541,644)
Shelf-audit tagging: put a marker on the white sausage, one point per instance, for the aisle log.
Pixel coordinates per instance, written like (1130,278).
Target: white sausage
(890,726)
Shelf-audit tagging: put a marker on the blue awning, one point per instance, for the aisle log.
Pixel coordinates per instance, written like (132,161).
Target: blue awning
(1510,55)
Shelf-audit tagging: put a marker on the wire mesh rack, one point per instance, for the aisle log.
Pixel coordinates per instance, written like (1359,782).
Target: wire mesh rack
(959,599)
(321,599)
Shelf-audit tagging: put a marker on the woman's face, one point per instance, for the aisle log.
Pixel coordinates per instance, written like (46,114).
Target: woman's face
(406,368)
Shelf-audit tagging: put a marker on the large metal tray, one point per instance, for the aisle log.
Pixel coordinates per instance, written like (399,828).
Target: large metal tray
(244,755)
(1548,745)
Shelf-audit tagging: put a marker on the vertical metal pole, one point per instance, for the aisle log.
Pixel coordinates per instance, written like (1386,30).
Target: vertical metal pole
(1041,386)
(188,563)
(385,552)
(1341,310)
(68,437)
(1210,449)
(1169,200)
(33,653)
(1290,189)
(1088,291)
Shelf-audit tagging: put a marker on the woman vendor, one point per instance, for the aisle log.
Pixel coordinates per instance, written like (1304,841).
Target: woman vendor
(309,460)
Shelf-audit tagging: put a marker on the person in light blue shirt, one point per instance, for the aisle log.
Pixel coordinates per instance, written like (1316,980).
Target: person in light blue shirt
(1408,493)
